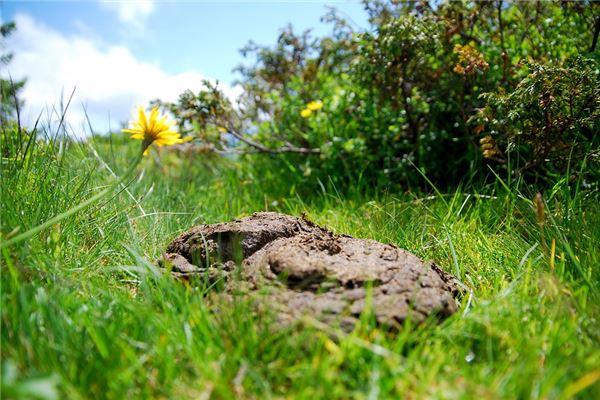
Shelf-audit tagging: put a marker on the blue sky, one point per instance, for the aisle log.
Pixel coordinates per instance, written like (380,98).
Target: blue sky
(121,53)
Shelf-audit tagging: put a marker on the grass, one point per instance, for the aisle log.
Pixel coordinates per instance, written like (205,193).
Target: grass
(84,315)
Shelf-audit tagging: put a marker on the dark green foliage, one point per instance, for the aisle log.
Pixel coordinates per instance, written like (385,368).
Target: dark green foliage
(549,122)
(404,94)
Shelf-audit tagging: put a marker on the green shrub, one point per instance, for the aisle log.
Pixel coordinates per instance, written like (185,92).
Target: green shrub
(548,123)
(405,94)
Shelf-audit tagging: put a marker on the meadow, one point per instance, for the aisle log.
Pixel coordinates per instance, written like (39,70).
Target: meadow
(86,314)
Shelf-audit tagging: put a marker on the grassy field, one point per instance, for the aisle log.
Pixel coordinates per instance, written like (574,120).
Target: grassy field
(84,315)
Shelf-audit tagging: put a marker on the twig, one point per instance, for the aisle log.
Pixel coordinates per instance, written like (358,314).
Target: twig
(264,149)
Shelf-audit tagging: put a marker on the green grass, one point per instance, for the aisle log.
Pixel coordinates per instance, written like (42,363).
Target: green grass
(85,316)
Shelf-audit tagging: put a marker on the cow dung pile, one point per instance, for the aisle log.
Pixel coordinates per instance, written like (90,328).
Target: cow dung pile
(304,269)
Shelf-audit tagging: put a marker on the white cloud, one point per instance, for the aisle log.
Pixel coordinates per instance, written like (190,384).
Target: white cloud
(130,11)
(109,80)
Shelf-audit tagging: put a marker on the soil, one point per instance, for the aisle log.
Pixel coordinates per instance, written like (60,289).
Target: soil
(303,269)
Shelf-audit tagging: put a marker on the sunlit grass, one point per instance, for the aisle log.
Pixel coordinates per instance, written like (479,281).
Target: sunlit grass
(85,316)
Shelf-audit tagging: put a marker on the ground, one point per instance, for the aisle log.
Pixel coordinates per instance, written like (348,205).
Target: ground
(86,314)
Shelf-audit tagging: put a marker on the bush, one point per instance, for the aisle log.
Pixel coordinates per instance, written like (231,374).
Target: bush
(408,94)
(548,123)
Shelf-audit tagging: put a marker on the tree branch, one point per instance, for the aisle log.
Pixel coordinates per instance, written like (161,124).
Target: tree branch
(263,149)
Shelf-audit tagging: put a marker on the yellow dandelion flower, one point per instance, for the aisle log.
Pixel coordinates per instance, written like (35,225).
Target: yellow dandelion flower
(306,113)
(153,128)
(315,105)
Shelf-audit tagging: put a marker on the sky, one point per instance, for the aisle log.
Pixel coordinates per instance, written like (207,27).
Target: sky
(120,54)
